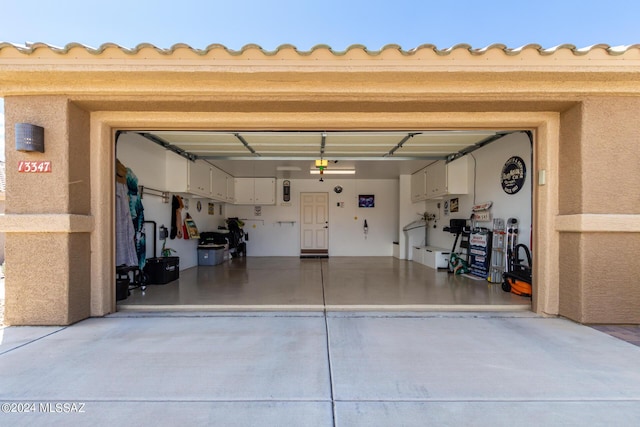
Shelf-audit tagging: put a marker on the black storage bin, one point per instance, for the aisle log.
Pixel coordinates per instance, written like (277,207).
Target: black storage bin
(122,289)
(214,237)
(162,270)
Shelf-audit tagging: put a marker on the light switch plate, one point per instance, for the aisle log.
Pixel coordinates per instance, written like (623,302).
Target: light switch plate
(542,177)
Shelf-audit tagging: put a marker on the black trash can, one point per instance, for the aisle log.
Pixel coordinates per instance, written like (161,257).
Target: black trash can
(122,289)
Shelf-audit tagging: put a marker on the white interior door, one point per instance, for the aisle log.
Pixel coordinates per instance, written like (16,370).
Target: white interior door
(314,217)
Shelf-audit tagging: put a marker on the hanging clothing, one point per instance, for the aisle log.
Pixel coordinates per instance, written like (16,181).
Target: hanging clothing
(176,217)
(174,220)
(137,217)
(125,233)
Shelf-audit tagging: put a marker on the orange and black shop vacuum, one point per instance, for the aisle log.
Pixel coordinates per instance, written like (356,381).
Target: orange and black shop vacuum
(517,278)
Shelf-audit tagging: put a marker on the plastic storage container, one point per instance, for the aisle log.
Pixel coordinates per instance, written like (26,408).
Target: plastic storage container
(210,255)
(162,270)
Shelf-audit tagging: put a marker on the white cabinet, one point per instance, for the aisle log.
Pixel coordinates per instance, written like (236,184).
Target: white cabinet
(231,189)
(255,191)
(417,254)
(185,176)
(436,257)
(218,184)
(443,179)
(244,191)
(199,178)
(436,179)
(265,191)
(222,186)
(419,186)
(431,256)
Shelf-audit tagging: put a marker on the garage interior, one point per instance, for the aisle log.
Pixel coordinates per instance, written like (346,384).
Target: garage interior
(370,257)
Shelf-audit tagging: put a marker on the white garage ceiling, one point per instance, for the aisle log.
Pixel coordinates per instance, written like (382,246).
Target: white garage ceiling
(284,154)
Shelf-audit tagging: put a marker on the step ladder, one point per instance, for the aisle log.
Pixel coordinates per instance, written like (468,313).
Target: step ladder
(498,251)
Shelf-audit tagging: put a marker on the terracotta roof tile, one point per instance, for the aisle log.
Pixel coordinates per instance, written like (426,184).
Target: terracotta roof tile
(31,48)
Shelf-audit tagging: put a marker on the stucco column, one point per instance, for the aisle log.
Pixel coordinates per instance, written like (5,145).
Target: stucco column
(599,221)
(47,219)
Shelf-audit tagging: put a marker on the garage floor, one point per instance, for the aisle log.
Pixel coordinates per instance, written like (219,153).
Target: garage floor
(337,283)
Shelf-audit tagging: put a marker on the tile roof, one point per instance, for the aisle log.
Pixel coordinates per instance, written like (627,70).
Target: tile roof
(31,48)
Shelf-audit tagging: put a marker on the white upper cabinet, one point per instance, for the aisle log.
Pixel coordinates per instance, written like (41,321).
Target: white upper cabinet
(244,191)
(265,191)
(419,186)
(255,191)
(231,189)
(445,179)
(441,179)
(200,178)
(436,179)
(219,184)
(187,177)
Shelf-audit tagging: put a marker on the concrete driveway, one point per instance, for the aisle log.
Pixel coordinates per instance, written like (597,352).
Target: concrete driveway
(308,369)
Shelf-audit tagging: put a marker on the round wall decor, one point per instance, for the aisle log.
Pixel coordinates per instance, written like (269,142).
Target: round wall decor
(337,189)
(199,206)
(513,175)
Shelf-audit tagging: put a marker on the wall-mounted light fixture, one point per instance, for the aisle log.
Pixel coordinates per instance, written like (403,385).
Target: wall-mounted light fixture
(29,137)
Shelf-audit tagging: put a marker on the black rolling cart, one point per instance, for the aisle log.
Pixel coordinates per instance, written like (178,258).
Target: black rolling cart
(462,233)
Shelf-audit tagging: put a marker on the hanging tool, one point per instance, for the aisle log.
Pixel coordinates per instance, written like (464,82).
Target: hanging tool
(366,228)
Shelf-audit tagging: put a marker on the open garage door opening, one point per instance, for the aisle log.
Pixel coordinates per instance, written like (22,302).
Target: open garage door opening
(317,220)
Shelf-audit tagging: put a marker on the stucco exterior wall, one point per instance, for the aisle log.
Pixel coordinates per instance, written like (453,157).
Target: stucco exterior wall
(79,161)
(571,276)
(49,272)
(600,172)
(610,274)
(611,155)
(570,157)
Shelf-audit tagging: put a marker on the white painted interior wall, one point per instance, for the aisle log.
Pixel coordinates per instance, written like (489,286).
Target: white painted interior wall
(273,234)
(488,188)
(408,212)
(267,237)
(147,160)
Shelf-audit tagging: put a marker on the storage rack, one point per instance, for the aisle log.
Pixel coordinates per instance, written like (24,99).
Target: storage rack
(153,192)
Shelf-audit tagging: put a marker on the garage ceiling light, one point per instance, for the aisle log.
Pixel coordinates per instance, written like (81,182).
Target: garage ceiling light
(333,172)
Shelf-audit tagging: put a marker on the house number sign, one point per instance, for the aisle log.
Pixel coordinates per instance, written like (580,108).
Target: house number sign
(34,167)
